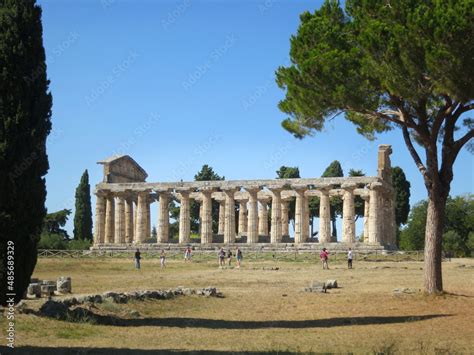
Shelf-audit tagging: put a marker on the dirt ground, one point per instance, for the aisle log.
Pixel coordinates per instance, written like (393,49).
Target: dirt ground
(263,310)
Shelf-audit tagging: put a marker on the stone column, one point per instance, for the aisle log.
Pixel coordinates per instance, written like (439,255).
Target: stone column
(252,226)
(366,218)
(299,210)
(276,232)
(374,211)
(392,219)
(229,227)
(128,220)
(305,230)
(120,221)
(148,218)
(242,217)
(324,216)
(184,217)
(263,218)
(135,219)
(221,217)
(348,214)
(163,217)
(285,231)
(141,223)
(109,220)
(99,235)
(206,216)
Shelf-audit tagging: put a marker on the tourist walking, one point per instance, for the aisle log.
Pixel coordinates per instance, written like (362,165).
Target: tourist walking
(163,259)
(238,255)
(229,257)
(221,257)
(187,254)
(137,259)
(324,256)
(349,258)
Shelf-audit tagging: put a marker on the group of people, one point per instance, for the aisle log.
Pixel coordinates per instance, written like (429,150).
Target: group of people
(324,256)
(222,256)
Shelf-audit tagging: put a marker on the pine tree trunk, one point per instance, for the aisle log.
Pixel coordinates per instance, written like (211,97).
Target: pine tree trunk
(433,241)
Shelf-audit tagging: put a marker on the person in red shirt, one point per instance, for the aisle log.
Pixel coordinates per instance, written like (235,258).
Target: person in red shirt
(324,258)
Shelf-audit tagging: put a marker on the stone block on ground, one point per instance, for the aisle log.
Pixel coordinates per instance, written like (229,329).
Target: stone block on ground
(331,284)
(64,285)
(48,290)
(34,290)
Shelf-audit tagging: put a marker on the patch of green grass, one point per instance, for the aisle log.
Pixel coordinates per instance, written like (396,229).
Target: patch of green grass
(77,332)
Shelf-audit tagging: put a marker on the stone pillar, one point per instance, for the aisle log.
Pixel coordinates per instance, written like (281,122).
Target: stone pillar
(305,230)
(263,218)
(299,210)
(393,223)
(141,223)
(135,224)
(120,221)
(285,230)
(163,217)
(128,220)
(348,214)
(242,217)
(221,217)
(276,232)
(206,216)
(252,226)
(324,216)
(99,235)
(109,220)
(184,217)
(148,218)
(366,218)
(374,211)
(229,226)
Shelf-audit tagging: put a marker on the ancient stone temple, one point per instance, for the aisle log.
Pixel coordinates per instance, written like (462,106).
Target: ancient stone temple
(250,211)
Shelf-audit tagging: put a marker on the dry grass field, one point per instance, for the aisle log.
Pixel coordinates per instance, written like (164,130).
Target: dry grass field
(263,310)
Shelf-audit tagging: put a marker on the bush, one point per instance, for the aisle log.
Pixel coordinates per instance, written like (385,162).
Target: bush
(79,244)
(452,242)
(52,241)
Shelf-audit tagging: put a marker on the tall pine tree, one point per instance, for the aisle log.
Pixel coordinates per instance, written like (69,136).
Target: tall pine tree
(25,122)
(83,214)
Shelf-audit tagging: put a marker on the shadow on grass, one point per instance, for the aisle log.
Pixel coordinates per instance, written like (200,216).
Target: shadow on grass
(79,314)
(27,350)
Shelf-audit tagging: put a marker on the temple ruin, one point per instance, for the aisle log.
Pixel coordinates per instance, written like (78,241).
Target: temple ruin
(124,200)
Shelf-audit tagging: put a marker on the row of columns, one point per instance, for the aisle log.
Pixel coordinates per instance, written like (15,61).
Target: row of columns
(126,219)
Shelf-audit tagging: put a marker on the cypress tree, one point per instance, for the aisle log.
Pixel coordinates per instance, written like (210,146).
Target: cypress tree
(25,122)
(83,213)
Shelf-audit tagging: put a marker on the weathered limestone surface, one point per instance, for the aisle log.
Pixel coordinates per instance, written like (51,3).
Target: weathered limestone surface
(229,226)
(242,217)
(119,222)
(184,217)
(163,217)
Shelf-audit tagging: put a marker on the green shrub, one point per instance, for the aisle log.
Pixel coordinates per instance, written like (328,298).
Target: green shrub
(79,244)
(52,241)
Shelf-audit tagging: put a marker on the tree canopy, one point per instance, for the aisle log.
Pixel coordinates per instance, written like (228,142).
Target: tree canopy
(385,65)
(83,210)
(25,122)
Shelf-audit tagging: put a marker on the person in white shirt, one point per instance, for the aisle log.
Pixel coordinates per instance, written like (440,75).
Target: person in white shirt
(349,259)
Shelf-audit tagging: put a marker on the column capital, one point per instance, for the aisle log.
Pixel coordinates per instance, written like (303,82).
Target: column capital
(376,186)
(299,188)
(348,186)
(253,188)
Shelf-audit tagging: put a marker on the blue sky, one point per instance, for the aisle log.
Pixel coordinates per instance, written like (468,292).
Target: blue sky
(179,84)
